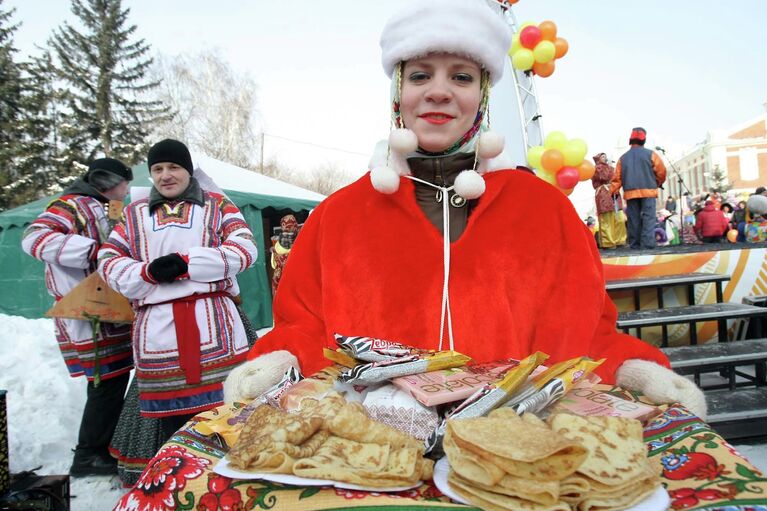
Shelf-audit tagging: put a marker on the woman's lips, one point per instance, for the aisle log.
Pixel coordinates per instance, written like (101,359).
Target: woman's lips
(436,117)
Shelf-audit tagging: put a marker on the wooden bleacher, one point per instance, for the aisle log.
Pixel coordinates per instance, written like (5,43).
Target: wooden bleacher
(737,402)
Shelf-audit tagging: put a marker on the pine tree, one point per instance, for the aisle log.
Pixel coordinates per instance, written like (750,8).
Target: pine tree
(10,104)
(105,74)
(719,181)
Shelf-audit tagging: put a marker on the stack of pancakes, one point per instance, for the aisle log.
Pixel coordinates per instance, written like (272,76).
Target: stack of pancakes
(505,461)
(329,439)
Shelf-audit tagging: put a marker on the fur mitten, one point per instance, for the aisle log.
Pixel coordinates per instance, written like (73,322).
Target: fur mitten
(661,385)
(250,379)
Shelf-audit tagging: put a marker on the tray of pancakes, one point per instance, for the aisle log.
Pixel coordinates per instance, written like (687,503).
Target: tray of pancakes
(326,441)
(504,462)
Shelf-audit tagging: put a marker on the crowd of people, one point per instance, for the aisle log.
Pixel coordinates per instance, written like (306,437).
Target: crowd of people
(638,224)
(438,267)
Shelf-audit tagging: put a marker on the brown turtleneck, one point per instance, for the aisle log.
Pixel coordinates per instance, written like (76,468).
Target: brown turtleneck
(442,171)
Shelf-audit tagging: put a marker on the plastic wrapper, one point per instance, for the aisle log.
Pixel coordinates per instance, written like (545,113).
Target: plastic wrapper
(375,372)
(392,406)
(456,384)
(369,349)
(552,388)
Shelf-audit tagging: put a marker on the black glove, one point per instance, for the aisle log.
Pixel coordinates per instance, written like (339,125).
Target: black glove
(167,268)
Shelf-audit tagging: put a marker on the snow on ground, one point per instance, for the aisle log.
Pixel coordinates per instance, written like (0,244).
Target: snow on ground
(45,405)
(44,410)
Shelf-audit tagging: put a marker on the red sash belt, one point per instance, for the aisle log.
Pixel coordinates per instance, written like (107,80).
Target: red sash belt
(188,334)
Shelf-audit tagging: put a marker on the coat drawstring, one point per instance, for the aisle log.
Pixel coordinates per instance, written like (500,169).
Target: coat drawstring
(445,314)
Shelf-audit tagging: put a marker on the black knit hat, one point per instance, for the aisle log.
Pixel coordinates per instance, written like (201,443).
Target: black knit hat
(170,150)
(112,166)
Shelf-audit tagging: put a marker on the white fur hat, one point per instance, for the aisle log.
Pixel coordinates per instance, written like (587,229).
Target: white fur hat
(757,205)
(471,28)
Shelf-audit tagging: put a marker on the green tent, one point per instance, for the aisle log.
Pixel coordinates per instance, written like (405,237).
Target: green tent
(22,277)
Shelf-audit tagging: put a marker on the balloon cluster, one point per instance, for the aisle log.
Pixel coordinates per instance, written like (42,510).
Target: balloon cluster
(536,47)
(561,162)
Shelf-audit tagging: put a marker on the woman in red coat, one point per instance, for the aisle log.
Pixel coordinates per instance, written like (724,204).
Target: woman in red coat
(441,264)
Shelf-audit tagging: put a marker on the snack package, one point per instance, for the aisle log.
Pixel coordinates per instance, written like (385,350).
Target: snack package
(584,400)
(553,384)
(375,372)
(369,349)
(455,384)
(398,409)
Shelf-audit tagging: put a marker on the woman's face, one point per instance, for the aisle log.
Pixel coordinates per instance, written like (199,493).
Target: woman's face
(440,99)
(602,158)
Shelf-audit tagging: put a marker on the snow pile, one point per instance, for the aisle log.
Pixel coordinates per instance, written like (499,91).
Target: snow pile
(44,409)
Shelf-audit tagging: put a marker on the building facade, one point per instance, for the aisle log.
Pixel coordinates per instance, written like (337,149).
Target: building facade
(737,155)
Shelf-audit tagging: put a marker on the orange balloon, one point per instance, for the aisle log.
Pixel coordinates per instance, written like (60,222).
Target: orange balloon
(544,69)
(566,191)
(585,170)
(552,160)
(548,30)
(732,235)
(561,45)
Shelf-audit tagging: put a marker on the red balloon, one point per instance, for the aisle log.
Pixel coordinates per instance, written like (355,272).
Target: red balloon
(567,177)
(530,36)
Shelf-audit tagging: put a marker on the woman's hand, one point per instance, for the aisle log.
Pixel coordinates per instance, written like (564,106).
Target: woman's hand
(661,385)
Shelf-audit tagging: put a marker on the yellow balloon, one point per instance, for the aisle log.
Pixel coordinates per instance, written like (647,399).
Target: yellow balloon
(523,59)
(555,140)
(525,24)
(574,151)
(544,51)
(515,45)
(548,177)
(534,156)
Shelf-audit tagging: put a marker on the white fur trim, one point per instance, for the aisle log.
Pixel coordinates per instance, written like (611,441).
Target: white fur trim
(403,141)
(252,378)
(661,385)
(490,145)
(384,179)
(469,185)
(757,205)
(472,28)
(500,162)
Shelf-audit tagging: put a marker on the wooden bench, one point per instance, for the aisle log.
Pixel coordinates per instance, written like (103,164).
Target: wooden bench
(691,314)
(738,414)
(722,357)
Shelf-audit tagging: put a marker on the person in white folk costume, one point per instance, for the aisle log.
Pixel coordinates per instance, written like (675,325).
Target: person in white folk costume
(67,237)
(502,294)
(176,258)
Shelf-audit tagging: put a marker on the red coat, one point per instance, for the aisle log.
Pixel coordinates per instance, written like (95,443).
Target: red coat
(370,264)
(711,222)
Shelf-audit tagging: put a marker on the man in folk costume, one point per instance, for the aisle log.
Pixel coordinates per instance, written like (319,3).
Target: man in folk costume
(441,265)
(176,257)
(640,172)
(67,237)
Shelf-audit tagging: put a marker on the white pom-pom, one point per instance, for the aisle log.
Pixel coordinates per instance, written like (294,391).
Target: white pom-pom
(490,145)
(384,179)
(403,141)
(469,185)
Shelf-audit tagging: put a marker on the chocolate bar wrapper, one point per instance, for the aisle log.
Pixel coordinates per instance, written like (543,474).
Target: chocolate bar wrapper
(369,349)
(375,372)
(555,388)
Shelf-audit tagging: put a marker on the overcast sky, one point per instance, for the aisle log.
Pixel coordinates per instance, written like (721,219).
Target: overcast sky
(679,68)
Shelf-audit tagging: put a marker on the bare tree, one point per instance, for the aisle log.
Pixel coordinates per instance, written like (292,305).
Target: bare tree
(214,107)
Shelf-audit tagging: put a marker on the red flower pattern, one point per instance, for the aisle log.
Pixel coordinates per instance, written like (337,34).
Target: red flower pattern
(698,465)
(172,467)
(684,498)
(220,495)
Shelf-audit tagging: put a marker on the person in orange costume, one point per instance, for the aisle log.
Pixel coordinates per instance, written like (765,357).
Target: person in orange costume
(440,265)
